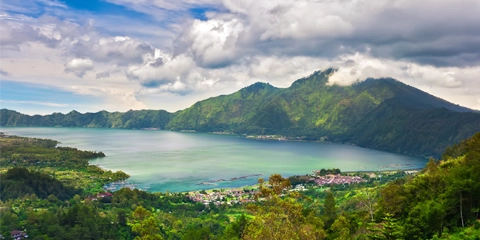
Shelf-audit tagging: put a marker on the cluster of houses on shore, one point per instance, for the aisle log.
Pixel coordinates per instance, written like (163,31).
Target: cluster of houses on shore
(236,196)
(336,179)
(229,197)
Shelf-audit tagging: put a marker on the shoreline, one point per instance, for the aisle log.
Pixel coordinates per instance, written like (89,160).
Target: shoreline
(130,185)
(286,138)
(391,167)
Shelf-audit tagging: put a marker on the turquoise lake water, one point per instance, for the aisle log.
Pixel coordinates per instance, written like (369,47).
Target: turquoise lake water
(174,161)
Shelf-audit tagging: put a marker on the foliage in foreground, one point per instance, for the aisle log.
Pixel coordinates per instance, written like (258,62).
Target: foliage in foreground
(441,202)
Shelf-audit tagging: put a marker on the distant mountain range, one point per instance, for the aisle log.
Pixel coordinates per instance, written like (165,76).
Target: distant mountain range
(376,113)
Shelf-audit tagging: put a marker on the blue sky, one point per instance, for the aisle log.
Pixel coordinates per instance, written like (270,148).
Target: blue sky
(41,99)
(117,55)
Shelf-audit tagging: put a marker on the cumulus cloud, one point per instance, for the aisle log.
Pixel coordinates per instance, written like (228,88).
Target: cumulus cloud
(358,67)
(119,50)
(12,35)
(79,66)
(429,44)
(212,43)
(17,29)
(176,87)
(153,74)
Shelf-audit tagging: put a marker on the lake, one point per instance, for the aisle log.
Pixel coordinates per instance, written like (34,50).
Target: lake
(175,161)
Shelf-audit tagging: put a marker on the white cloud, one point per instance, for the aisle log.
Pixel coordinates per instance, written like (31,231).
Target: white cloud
(121,50)
(79,66)
(50,104)
(53,3)
(358,67)
(213,42)
(166,10)
(294,19)
(241,42)
(171,69)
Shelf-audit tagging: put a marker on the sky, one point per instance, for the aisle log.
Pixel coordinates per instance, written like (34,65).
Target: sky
(116,55)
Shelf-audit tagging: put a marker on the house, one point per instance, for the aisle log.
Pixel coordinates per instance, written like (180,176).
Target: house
(299,187)
(17,235)
(100,195)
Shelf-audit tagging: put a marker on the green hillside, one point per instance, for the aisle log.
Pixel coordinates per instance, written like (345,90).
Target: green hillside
(103,119)
(376,113)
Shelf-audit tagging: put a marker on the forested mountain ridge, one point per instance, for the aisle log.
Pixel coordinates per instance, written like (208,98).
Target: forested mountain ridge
(376,113)
(131,119)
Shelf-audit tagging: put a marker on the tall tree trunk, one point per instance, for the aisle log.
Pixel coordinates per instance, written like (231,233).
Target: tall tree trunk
(371,211)
(461,208)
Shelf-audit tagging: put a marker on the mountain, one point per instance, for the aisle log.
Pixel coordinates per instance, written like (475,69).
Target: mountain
(103,119)
(376,113)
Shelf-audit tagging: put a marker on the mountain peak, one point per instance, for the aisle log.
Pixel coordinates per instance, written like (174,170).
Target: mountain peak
(257,87)
(73,112)
(316,79)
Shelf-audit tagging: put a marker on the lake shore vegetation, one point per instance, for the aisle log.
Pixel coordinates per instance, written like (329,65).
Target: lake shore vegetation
(51,192)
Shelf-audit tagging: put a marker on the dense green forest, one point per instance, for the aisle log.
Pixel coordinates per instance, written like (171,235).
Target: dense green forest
(39,166)
(375,113)
(441,202)
(103,119)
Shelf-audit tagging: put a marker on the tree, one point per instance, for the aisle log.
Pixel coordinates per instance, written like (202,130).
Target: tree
(277,185)
(388,229)
(392,199)
(367,200)
(281,217)
(329,209)
(145,225)
(235,229)
(341,228)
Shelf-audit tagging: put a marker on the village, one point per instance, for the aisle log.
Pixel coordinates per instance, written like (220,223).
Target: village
(219,197)
(336,179)
(246,195)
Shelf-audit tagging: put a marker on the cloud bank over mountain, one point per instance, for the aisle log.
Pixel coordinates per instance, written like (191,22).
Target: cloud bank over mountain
(168,54)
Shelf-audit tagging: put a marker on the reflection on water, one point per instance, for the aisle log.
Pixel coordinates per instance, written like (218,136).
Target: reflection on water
(173,161)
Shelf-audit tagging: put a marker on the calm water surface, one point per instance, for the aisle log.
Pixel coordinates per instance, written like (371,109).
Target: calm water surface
(173,161)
